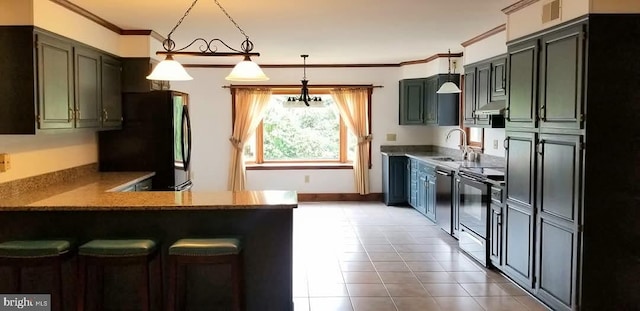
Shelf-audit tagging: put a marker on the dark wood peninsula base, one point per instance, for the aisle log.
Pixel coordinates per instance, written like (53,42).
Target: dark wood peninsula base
(264,221)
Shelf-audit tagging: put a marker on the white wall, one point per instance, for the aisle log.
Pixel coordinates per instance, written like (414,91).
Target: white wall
(43,153)
(211,123)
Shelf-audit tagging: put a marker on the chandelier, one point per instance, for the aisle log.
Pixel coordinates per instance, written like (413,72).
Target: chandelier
(304,91)
(170,69)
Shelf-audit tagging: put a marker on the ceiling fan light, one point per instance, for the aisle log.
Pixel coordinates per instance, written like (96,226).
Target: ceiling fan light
(247,71)
(449,88)
(169,70)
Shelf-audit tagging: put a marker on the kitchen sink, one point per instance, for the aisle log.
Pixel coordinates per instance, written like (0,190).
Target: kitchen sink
(445,159)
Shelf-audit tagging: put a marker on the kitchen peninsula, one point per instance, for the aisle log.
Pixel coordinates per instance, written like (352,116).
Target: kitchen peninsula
(85,209)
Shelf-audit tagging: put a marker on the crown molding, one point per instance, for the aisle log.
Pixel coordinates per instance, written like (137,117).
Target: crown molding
(82,12)
(485,35)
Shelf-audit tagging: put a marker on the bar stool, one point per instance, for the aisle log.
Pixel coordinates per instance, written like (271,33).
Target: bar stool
(101,253)
(205,251)
(32,253)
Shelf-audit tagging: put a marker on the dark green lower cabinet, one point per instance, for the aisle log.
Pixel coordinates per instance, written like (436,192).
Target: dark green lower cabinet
(518,244)
(557,265)
(394,179)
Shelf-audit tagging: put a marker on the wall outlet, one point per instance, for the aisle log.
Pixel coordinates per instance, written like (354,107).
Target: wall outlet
(306,179)
(5,162)
(391,137)
(495,144)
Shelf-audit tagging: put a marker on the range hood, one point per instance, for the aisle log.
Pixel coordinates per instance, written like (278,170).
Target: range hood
(492,108)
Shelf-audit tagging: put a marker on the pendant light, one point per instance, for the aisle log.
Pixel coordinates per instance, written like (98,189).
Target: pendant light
(171,70)
(449,87)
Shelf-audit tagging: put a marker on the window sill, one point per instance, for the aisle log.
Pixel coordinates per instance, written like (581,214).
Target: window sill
(299,166)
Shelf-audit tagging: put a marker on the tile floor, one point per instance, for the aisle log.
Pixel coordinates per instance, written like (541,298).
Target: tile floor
(352,256)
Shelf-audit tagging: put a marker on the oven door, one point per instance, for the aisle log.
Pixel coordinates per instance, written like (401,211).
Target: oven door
(473,203)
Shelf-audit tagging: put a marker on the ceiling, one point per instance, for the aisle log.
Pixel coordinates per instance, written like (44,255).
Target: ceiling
(330,31)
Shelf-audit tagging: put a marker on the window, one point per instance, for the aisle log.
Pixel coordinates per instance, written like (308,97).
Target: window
(294,135)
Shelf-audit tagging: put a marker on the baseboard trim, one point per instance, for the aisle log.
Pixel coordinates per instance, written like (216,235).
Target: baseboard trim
(323,197)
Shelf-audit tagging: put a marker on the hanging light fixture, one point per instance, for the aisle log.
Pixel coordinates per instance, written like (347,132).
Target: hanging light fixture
(304,91)
(171,70)
(449,87)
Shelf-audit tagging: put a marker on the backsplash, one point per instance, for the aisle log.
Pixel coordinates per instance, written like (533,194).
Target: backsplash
(485,159)
(17,187)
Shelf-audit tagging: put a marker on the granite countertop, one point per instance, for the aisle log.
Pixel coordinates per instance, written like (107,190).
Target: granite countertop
(431,158)
(99,192)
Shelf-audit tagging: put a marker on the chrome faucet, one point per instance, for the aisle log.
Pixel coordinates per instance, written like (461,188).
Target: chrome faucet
(465,149)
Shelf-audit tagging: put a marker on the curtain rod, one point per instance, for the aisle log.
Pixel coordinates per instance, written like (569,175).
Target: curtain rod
(278,86)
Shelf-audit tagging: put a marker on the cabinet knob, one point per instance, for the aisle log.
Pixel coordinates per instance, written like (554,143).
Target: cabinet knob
(105,114)
(70,115)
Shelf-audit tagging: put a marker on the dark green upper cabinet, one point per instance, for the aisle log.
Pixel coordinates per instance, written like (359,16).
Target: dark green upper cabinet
(111,113)
(561,79)
(412,93)
(484,85)
(431,107)
(134,75)
(522,84)
(55,83)
(469,118)
(87,82)
(499,79)
(421,105)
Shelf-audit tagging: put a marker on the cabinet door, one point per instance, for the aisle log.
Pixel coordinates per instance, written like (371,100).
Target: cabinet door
(518,243)
(87,82)
(469,96)
(431,198)
(558,208)
(561,72)
(414,187)
(522,84)
(483,91)
(520,170)
(55,83)
(431,101)
(412,102)
(422,194)
(495,235)
(498,79)
(111,92)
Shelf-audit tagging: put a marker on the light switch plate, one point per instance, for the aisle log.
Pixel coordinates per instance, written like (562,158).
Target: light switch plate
(5,162)
(495,144)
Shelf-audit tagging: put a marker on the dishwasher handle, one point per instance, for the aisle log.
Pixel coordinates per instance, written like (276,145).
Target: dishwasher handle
(443,173)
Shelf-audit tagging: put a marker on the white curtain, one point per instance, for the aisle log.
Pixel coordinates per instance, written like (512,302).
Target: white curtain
(354,110)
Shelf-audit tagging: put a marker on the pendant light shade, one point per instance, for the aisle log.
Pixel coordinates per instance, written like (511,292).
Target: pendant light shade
(247,70)
(449,88)
(169,70)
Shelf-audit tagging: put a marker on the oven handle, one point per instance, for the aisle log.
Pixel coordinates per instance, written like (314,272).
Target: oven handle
(463,175)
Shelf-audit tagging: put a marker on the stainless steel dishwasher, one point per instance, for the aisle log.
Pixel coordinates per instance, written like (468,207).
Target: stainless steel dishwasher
(444,203)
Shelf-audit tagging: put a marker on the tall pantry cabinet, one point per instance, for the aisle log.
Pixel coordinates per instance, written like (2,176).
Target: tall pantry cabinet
(572,222)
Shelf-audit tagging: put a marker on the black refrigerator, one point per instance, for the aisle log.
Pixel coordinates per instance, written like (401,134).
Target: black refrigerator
(155,136)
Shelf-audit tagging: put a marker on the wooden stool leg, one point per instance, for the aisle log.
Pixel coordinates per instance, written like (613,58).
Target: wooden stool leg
(17,278)
(100,285)
(171,300)
(56,291)
(144,289)
(235,283)
(82,280)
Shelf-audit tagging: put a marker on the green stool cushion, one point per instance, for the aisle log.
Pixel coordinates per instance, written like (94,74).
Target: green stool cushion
(34,248)
(117,248)
(205,247)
